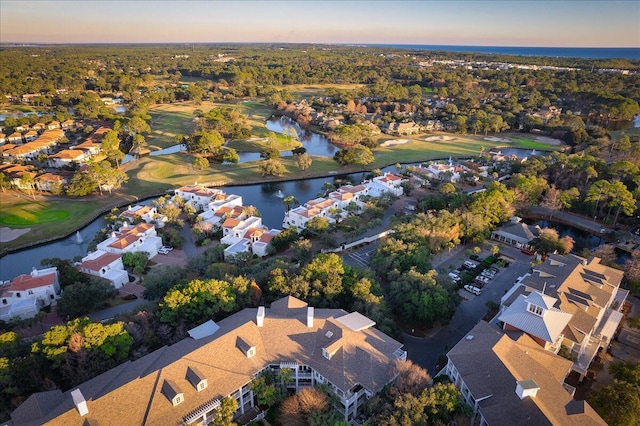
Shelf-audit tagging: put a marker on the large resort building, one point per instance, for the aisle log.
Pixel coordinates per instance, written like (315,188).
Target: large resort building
(508,379)
(186,382)
(567,301)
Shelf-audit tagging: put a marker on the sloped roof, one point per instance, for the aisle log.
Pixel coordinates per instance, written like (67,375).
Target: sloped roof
(132,390)
(28,281)
(548,326)
(105,259)
(490,363)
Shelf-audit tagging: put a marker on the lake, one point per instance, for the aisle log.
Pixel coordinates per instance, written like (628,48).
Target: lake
(267,197)
(314,143)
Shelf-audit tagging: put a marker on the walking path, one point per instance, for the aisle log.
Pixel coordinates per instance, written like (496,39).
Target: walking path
(573,219)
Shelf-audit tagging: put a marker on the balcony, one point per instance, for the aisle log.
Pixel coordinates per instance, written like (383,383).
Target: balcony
(201,410)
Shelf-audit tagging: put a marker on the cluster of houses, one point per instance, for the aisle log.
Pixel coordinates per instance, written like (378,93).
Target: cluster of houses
(242,230)
(18,150)
(337,203)
(24,296)
(304,112)
(507,373)
(514,372)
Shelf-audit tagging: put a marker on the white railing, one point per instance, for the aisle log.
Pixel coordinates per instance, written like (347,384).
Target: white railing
(201,410)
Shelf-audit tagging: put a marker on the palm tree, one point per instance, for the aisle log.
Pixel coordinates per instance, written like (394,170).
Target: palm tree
(289,201)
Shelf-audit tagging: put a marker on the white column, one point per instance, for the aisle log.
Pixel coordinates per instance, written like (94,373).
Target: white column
(241,401)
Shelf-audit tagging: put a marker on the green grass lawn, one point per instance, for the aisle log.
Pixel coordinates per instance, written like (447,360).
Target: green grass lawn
(169,120)
(29,217)
(48,218)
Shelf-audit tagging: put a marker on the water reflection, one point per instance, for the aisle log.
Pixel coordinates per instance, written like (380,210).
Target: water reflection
(581,238)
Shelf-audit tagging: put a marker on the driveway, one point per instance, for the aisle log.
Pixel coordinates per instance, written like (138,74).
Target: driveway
(425,351)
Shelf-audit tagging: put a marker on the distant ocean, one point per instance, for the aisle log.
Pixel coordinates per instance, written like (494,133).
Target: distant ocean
(562,52)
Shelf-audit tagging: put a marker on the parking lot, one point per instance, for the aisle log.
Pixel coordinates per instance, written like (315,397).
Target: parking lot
(426,350)
(361,257)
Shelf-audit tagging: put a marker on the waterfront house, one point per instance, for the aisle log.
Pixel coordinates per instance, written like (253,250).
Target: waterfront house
(26,294)
(389,182)
(516,233)
(140,213)
(567,301)
(104,265)
(221,206)
(185,383)
(508,380)
(131,239)
(301,215)
(53,125)
(197,196)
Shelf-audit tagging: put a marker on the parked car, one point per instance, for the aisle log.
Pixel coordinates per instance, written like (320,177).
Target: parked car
(527,252)
(472,289)
(475,257)
(482,279)
(469,264)
(478,283)
(454,277)
(165,250)
(488,274)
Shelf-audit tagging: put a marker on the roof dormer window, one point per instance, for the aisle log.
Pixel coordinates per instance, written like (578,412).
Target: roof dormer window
(535,309)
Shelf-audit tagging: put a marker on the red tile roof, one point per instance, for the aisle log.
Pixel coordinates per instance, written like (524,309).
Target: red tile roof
(27,281)
(99,262)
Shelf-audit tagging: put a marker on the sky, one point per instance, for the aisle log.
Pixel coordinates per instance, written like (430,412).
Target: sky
(577,23)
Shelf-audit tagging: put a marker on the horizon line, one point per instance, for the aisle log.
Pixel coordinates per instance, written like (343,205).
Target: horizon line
(354,44)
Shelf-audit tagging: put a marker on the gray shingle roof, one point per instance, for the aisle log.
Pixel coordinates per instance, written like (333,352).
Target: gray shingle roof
(492,363)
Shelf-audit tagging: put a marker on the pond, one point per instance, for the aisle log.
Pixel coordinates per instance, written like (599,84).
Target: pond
(267,197)
(314,143)
(583,239)
(518,152)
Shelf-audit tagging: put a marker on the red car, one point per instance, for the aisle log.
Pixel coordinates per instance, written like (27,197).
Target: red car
(527,252)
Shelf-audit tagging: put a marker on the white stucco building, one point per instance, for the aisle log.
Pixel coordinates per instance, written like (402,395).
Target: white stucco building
(104,265)
(142,237)
(26,294)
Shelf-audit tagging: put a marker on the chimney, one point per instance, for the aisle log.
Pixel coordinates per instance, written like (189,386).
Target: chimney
(34,271)
(525,388)
(79,402)
(260,316)
(310,317)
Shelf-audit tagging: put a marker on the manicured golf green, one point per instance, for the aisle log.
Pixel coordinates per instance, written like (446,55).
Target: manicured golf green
(27,218)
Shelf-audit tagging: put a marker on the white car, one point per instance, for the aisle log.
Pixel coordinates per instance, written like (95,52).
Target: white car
(454,277)
(165,250)
(472,289)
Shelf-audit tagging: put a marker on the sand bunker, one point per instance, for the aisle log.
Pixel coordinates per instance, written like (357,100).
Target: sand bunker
(550,141)
(9,234)
(495,139)
(395,142)
(439,138)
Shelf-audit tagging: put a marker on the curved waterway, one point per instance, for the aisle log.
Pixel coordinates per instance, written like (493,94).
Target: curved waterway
(267,197)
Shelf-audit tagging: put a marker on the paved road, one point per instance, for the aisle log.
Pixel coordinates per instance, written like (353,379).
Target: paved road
(109,313)
(426,350)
